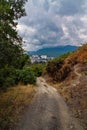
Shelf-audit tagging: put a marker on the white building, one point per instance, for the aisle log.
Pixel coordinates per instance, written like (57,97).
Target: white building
(43,56)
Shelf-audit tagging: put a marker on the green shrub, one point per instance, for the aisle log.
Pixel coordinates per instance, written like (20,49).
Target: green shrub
(10,76)
(17,76)
(7,77)
(27,76)
(9,81)
(38,69)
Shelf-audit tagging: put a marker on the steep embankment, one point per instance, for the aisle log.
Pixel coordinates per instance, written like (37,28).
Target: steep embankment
(69,76)
(74,90)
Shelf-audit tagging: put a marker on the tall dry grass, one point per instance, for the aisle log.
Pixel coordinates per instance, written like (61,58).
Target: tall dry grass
(13,103)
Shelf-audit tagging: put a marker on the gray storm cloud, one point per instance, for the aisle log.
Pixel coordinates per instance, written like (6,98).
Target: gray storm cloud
(53,23)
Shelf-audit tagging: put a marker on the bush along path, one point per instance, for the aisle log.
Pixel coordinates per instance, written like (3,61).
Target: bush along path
(48,111)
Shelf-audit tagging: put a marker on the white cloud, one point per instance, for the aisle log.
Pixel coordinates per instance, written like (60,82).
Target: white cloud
(24,29)
(53,23)
(65,30)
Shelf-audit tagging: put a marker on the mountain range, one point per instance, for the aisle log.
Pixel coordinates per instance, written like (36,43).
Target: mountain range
(54,51)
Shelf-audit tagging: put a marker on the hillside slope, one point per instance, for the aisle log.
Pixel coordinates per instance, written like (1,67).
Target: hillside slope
(69,75)
(74,90)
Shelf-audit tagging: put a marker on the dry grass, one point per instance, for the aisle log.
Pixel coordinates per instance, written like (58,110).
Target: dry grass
(13,102)
(75,94)
(73,87)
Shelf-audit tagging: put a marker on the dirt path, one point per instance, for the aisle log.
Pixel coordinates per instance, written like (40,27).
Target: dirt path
(48,111)
(76,71)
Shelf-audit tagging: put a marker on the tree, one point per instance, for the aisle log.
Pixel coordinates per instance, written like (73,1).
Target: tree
(10,11)
(10,42)
(12,56)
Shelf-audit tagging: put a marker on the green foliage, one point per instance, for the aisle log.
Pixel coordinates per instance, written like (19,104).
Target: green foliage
(12,57)
(11,52)
(7,77)
(10,11)
(27,76)
(61,58)
(38,69)
(9,81)
(11,76)
(23,60)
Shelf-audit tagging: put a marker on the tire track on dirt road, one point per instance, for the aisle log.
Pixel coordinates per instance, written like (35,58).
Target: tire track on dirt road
(48,111)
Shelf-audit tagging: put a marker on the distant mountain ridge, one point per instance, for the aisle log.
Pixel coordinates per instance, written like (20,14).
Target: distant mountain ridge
(54,51)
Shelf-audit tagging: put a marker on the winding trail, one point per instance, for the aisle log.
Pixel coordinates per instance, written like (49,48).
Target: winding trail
(76,71)
(48,111)
(77,80)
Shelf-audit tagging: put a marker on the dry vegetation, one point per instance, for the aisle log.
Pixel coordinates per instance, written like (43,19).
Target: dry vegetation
(60,68)
(74,92)
(73,87)
(13,103)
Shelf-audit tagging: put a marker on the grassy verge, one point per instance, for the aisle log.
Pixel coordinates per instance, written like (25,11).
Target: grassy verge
(13,103)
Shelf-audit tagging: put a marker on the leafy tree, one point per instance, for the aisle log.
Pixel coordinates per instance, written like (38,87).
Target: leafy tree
(10,11)
(10,42)
(12,56)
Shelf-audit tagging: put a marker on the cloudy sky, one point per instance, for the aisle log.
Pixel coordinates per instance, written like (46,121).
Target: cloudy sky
(53,23)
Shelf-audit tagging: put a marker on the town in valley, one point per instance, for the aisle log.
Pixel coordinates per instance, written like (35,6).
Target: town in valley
(40,58)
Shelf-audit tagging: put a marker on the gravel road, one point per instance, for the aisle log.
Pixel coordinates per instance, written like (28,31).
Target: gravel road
(48,111)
